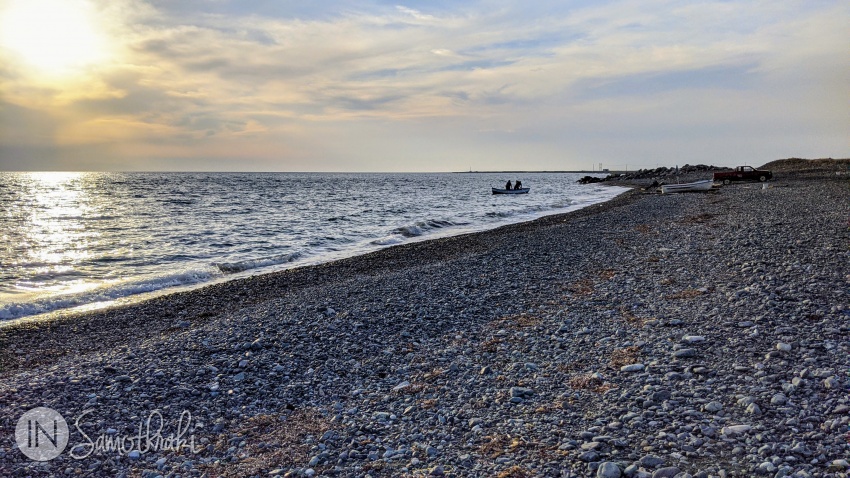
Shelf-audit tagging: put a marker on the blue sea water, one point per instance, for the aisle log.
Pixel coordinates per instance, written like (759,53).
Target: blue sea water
(87,240)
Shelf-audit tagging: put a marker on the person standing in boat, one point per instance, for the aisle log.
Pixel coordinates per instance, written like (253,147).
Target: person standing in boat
(518,184)
(508,185)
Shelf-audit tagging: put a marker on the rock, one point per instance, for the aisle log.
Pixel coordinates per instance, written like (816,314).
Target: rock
(685,353)
(783,347)
(693,339)
(753,409)
(733,430)
(651,461)
(667,472)
(635,367)
(608,470)
(744,401)
(521,392)
(401,386)
(589,456)
(713,407)
(779,399)
(660,396)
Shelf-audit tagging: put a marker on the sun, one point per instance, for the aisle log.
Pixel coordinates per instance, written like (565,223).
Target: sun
(53,36)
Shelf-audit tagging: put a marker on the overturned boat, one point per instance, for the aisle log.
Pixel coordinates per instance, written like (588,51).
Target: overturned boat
(687,187)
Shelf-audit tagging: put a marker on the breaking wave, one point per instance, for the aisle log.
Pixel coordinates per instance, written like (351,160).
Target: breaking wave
(104,293)
(248,264)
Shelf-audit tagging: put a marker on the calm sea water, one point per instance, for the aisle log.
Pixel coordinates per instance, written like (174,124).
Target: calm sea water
(89,239)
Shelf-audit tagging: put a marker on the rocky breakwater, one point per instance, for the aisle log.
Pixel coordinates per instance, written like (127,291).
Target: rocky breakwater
(661,174)
(658,336)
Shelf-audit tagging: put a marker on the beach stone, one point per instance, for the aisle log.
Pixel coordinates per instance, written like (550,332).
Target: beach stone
(744,401)
(521,392)
(779,399)
(608,470)
(589,456)
(693,339)
(651,461)
(685,353)
(660,395)
(733,430)
(667,472)
(753,409)
(713,407)
(635,367)
(401,386)
(783,347)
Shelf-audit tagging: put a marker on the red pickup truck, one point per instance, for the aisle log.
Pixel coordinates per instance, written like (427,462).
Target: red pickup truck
(743,173)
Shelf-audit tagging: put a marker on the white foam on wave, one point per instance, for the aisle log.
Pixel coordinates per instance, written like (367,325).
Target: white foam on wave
(104,293)
(248,264)
(388,240)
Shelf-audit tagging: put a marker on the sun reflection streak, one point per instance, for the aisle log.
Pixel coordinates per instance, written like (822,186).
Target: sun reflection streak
(56,236)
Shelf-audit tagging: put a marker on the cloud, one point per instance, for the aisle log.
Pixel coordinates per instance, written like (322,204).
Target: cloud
(569,79)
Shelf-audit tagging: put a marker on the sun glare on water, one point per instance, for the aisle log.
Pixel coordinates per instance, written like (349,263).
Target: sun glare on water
(53,36)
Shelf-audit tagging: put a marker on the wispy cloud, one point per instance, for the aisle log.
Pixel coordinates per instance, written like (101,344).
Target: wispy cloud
(578,82)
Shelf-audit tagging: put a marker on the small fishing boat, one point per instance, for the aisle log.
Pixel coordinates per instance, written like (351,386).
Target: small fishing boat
(687,187)
(511,191)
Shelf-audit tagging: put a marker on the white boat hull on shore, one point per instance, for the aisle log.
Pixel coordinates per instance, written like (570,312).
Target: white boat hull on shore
(687,187)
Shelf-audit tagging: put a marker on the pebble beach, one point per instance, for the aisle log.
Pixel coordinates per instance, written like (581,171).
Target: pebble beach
(689,335)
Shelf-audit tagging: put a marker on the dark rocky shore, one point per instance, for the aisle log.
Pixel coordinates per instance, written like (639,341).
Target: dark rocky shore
(654,336)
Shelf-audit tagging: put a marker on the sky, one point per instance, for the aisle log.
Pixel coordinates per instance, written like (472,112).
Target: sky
(339,85)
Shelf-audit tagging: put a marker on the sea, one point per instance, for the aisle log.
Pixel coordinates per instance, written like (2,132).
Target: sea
(82,241)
